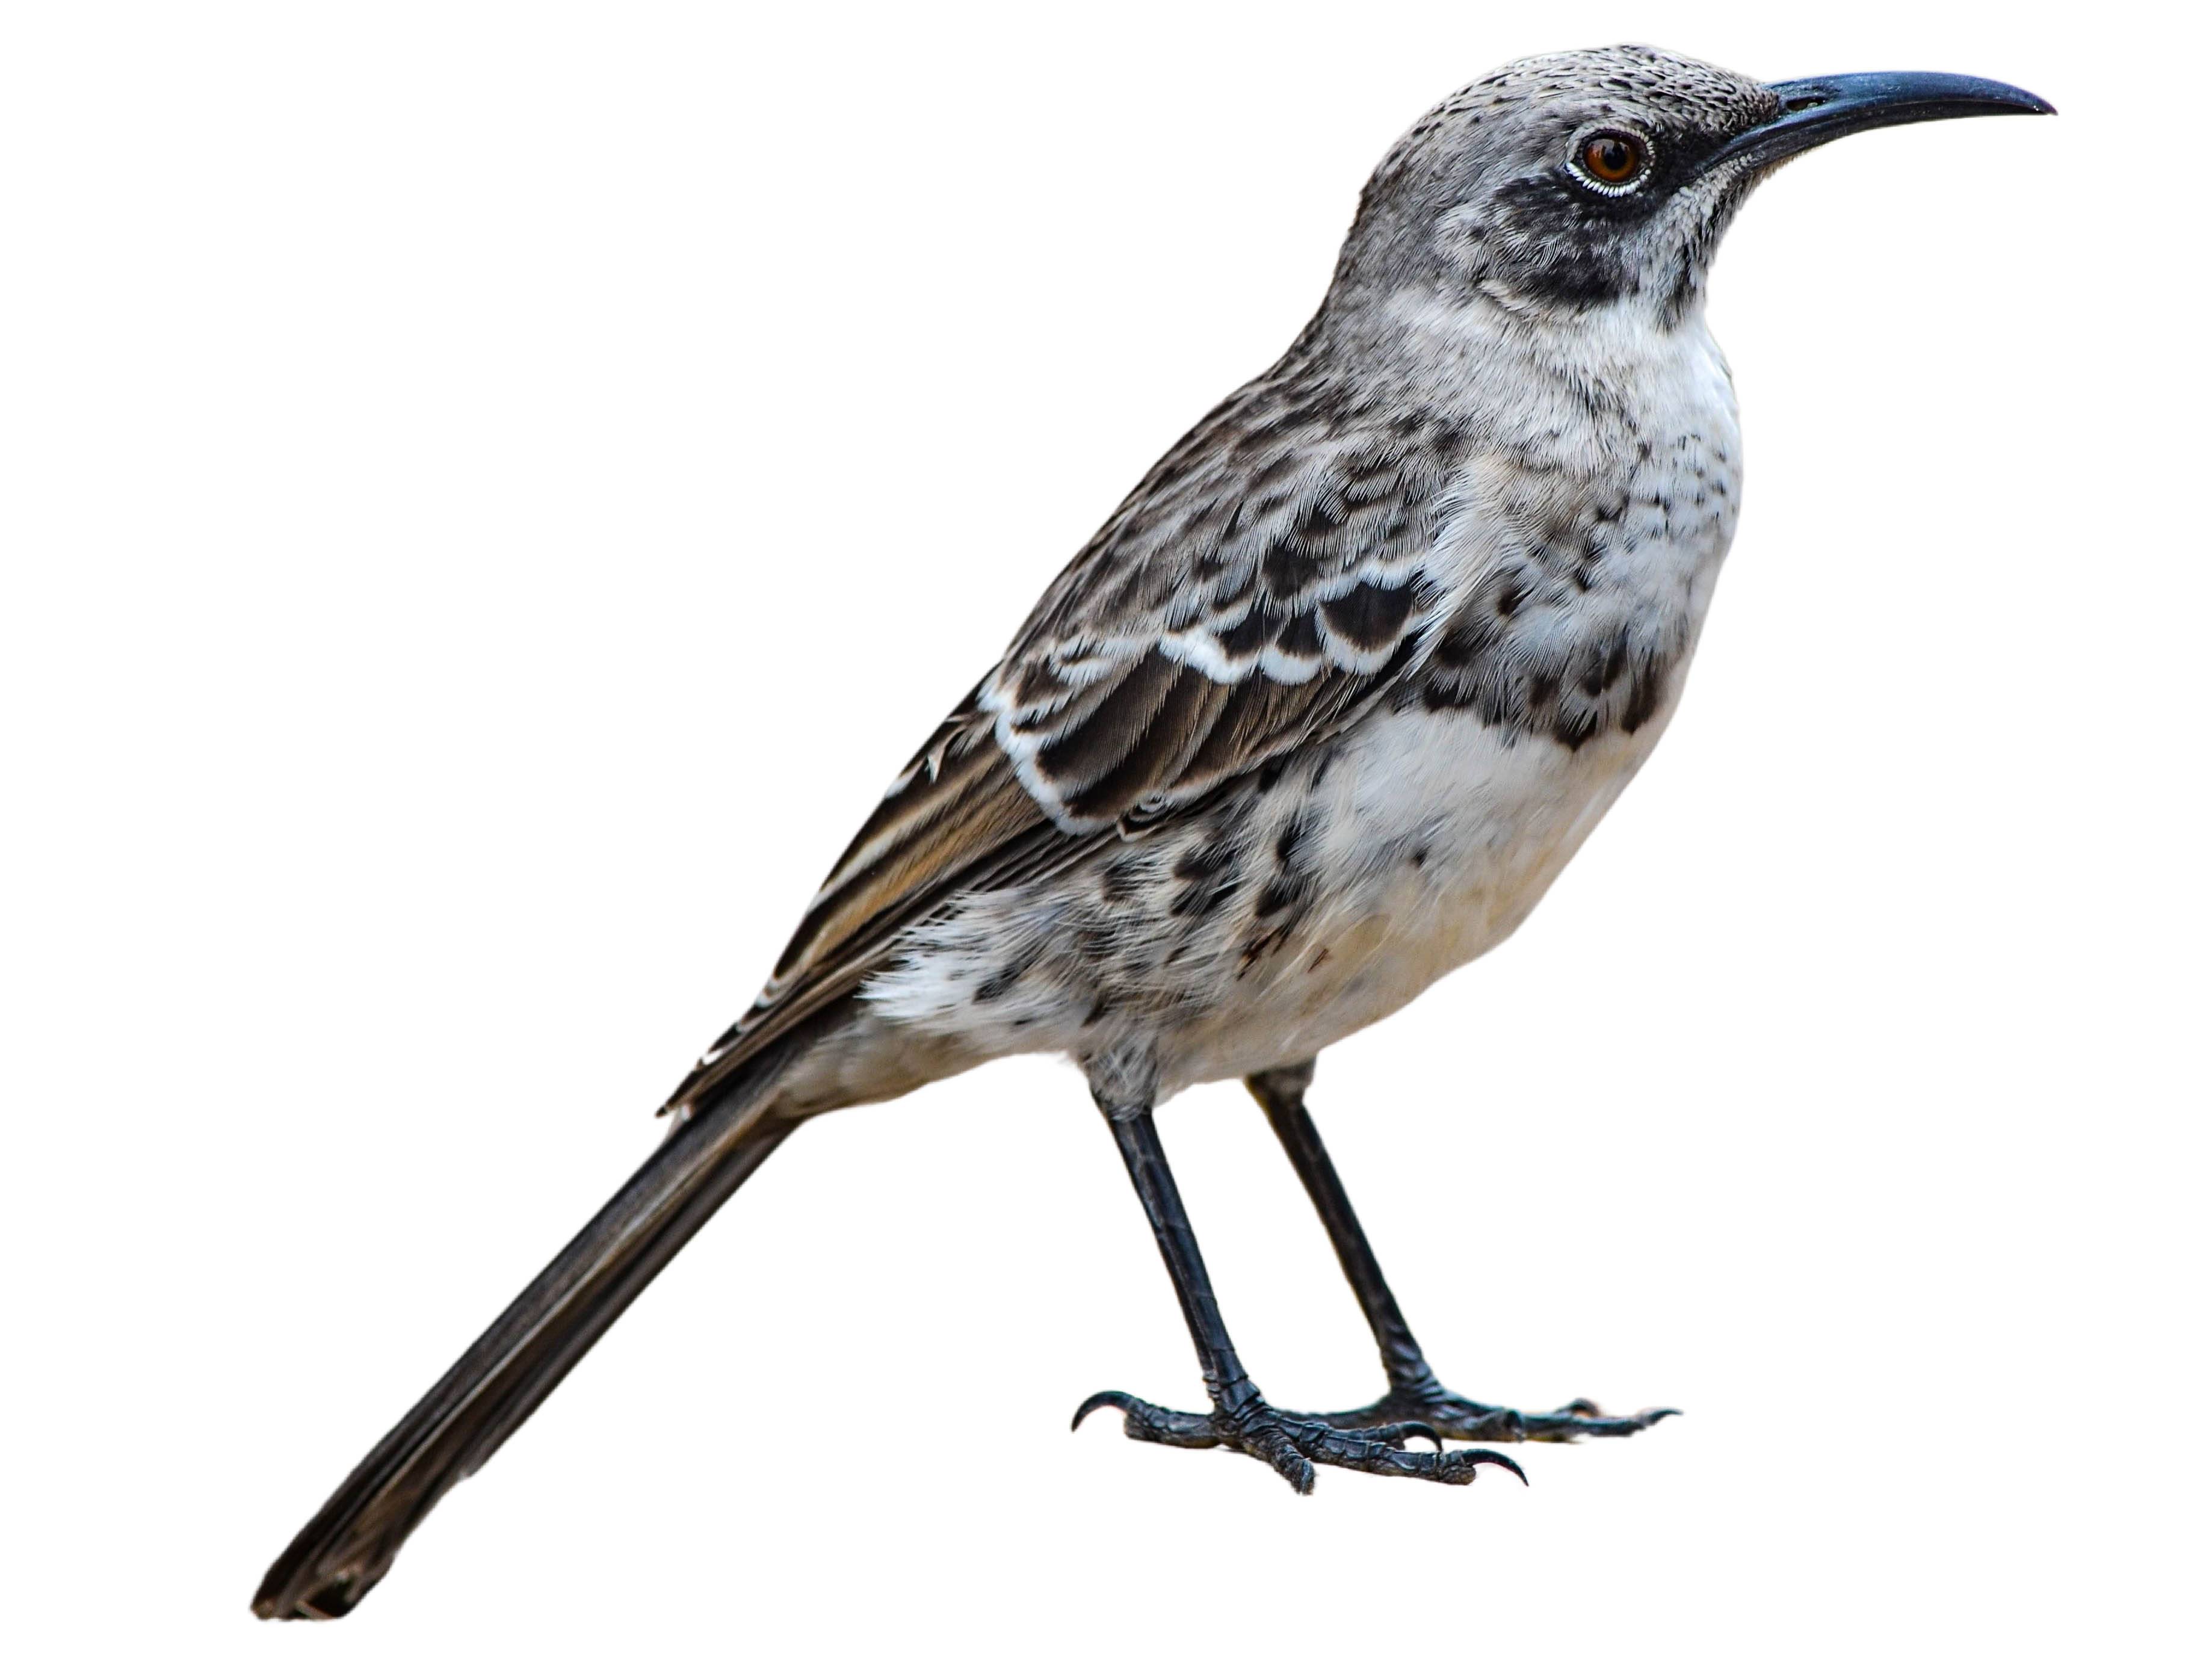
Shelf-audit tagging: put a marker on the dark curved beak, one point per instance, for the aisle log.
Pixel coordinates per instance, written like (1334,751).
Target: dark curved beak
(1830,106)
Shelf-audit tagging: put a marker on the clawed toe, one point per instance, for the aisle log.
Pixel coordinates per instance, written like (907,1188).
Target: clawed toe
(1143,1420)
(1578,1418)
(1292,1445)
(1375,1440)
(1456,1417)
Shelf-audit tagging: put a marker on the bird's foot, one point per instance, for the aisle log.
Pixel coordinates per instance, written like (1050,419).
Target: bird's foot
(1292,1445)
(1456,1417)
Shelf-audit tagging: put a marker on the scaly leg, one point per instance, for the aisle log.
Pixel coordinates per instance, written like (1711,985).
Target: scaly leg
(1241,1419)
(1414,1396)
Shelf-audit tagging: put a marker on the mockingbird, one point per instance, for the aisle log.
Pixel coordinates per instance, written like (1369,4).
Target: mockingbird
(1315,719)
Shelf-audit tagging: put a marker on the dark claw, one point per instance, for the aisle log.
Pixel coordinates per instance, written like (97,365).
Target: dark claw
(1113,1397)
(1484,1455)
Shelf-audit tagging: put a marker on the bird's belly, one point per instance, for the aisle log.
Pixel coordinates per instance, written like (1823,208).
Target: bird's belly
(1440,835)
(1258,934)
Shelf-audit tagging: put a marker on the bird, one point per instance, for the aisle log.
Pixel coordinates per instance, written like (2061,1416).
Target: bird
(1315,719)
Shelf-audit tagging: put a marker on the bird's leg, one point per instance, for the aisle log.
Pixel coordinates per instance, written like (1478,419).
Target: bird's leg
(1414,1392)
(1241,1419)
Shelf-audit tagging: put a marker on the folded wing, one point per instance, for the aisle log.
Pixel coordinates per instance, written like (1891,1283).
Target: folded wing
(1272,574)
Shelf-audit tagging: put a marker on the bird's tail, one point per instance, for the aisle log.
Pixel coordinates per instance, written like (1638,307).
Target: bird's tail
(340,1555)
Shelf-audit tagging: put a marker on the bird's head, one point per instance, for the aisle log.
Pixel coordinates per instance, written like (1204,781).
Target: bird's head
(1600,178)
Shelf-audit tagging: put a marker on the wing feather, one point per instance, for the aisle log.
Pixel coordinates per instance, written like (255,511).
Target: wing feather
(1270,576)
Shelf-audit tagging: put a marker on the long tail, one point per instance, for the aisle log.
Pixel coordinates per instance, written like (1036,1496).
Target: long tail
(340,1555)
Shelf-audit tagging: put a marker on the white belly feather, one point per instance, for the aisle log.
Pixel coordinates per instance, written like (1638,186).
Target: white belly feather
(1496,821)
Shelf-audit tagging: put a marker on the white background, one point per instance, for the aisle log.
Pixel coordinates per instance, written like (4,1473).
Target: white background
(492,493)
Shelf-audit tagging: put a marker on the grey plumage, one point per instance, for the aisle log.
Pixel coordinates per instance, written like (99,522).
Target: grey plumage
(1315,718)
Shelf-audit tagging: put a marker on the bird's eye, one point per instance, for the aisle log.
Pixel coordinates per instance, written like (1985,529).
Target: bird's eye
(1614,162)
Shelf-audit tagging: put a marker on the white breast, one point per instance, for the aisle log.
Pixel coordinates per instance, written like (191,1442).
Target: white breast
(1496,815)
(1471,830)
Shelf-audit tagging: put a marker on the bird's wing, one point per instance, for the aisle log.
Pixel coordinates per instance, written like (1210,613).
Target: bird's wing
(1273,573)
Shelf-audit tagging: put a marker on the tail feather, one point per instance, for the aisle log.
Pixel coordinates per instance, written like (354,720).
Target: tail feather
(340,1555)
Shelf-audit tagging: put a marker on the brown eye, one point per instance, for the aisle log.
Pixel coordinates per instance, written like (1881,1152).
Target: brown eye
(1614,158)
